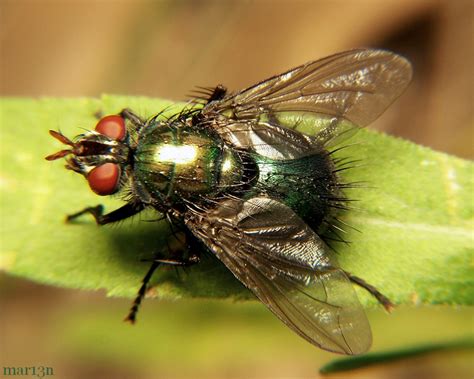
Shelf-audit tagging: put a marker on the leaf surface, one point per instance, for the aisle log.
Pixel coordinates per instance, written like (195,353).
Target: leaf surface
(414,216)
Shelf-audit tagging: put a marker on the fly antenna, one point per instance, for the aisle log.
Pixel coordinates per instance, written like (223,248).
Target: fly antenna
(58,155)
(62,138)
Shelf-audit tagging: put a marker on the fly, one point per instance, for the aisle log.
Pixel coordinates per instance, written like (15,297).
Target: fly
(234,173)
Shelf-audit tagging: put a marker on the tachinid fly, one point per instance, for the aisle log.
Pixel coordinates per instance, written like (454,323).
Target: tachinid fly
(233,171)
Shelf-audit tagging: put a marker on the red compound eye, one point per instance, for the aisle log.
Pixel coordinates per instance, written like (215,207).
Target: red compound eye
(104,179)
(112,126)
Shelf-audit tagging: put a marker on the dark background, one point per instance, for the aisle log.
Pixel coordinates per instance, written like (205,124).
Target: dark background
(164,49)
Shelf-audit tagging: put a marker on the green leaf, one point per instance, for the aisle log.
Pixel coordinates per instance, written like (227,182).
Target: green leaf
(415,216)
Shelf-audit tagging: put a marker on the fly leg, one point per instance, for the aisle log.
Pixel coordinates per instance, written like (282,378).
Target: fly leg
(183,262)
(126,211)
(132,314)
(274,121)
(192,259)
(136,120)
(218,93)
(382,299)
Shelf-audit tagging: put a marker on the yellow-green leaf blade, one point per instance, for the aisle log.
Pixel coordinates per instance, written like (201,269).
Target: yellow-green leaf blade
(415,216)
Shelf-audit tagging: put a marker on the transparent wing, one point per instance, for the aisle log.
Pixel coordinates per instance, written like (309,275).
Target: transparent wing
(341,91)
(286,265)
(357,85)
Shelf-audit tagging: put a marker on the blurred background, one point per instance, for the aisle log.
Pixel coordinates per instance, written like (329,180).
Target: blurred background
(164,49)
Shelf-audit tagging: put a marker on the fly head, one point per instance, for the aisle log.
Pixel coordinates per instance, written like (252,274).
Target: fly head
(101,155)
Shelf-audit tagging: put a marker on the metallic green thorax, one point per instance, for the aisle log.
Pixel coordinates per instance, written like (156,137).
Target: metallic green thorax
(179,162)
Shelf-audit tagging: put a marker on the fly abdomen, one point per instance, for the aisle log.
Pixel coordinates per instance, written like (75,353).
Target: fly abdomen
(303,184)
